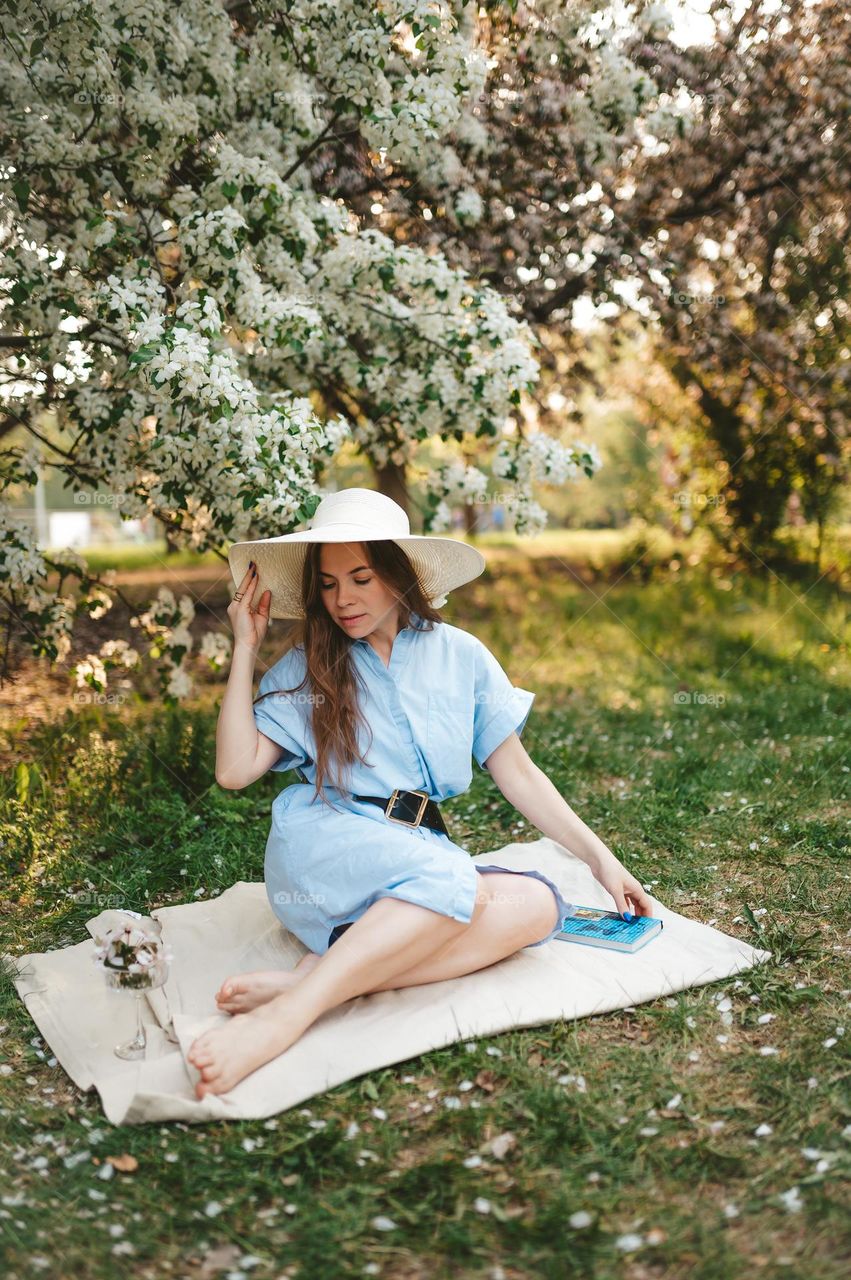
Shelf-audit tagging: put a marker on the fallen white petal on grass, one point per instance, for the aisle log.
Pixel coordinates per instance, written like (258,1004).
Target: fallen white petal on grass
(582,1218)
(791,1200)
(763,1130)
(629,1242)
(383,1224)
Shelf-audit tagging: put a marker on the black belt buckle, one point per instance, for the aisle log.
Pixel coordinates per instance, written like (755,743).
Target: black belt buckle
(401,798)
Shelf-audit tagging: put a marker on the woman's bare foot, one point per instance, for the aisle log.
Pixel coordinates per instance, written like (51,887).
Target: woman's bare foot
(245,991)
(228,1053)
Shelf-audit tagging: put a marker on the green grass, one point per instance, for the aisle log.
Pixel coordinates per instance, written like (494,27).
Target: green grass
(600,548)
(731,803)
(143,555)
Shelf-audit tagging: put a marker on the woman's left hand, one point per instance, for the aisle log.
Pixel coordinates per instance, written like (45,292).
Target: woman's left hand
(627,892)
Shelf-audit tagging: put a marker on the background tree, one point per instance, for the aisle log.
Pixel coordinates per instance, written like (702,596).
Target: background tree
(702,189)
(205,324)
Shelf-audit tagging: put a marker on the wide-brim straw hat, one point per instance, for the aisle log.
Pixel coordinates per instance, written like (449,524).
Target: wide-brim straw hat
(353,515)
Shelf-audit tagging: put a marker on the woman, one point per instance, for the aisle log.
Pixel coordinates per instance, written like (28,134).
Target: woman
(390,703)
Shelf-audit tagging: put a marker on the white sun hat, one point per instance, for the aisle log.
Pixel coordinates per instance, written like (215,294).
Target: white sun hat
(353,515)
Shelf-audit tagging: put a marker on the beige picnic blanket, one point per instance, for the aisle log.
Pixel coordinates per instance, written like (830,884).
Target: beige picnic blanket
(237,932)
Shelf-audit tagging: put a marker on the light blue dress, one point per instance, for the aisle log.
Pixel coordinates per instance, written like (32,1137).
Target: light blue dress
(443,699)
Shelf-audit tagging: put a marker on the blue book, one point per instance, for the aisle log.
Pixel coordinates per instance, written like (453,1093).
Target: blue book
(594,927)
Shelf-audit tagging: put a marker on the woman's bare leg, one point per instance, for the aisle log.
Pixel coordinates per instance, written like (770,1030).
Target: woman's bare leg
(391,938)
(244,991)
(489,936)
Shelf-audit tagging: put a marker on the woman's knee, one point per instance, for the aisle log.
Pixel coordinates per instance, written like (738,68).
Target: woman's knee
(528,903)
(548,910)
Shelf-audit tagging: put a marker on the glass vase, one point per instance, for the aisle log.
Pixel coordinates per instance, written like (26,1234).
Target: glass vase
(154,975)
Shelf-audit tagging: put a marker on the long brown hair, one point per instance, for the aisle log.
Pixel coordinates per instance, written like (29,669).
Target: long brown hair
(331,673)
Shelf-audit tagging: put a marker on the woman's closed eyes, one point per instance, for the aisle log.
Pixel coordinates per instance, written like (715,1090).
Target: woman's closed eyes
(360,582)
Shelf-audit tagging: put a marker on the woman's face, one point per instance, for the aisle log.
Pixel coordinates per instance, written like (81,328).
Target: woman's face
(354,595)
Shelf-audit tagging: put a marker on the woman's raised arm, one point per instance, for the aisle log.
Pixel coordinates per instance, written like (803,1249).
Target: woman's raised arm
(243,754)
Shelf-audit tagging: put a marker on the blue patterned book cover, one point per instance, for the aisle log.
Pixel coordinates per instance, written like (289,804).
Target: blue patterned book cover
(594,927)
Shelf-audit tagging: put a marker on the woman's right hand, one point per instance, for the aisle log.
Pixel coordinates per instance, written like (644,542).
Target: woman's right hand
(249,624)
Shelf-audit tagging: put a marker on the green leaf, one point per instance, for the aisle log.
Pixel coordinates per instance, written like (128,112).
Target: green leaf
(22,782)
(142,355)
(308,507)
(752,918)
(21,189)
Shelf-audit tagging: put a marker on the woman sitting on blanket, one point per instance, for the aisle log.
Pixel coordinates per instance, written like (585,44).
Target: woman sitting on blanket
(365,874)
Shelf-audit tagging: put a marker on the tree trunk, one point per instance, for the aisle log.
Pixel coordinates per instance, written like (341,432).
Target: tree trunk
(170,544)
(392,482)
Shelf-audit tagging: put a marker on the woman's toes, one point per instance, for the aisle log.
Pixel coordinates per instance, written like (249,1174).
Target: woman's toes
(201,1051)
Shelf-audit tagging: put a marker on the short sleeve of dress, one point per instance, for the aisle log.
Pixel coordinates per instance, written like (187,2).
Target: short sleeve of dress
(500,707)
(283,716)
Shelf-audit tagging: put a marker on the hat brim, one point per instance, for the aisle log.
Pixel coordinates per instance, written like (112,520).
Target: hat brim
(441,564)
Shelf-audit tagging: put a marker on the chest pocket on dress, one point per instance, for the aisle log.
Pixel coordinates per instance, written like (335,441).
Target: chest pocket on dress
(450,738)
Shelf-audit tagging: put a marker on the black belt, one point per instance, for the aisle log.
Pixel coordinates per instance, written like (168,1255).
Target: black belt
(410,809)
